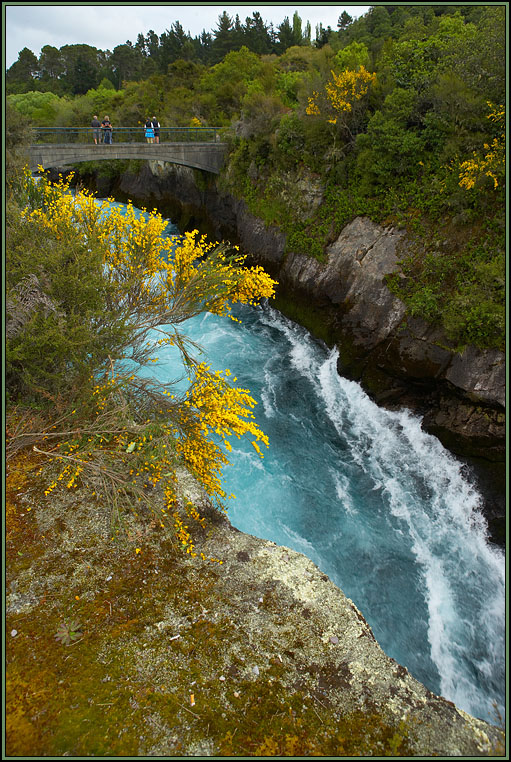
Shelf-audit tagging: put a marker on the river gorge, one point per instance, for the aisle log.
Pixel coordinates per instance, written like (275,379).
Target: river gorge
(374,500)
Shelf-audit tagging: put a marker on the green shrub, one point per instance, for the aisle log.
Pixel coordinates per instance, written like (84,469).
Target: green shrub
(66,331)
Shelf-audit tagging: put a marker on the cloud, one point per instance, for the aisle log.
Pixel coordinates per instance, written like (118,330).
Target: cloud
(105,26)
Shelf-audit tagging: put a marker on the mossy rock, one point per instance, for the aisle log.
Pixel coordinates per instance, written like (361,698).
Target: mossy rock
(246,649)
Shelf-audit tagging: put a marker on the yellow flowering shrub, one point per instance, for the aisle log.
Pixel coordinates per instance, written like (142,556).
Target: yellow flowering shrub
(493,163)
(124,438)
(341,92)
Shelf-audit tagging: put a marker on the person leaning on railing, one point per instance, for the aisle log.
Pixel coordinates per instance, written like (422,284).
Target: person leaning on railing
(106,126)
(96,129)
(156,128)
(149,131)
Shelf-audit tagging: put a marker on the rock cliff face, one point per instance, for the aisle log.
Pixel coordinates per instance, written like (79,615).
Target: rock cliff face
(401,362)
(397,358)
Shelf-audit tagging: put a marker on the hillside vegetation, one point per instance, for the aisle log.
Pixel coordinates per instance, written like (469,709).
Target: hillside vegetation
(397,115)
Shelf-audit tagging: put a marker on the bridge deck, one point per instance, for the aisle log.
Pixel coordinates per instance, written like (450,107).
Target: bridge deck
(206,156)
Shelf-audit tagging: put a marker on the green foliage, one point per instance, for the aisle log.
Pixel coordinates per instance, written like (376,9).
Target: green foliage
(41,108)
(106,84)
(459,284)
(229,80)
(18,135)
(260,113)
(291,140)
(398,158)
(352,57)
(288,86)
(21,76)
(389,149)
(67,335)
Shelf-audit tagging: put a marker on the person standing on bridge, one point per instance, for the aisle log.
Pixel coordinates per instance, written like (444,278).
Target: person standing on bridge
(107,130)
(149,131)
(156,128)
(96,134)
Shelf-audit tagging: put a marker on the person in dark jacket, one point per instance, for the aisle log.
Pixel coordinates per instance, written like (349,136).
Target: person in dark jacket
(156,128)
(106,126)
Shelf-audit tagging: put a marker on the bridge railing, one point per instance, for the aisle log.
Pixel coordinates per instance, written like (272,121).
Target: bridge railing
(127,134)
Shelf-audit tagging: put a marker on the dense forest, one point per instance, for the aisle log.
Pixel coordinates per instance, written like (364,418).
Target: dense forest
(398,115)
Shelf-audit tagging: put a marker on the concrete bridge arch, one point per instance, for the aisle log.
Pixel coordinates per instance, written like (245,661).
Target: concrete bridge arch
(208,157)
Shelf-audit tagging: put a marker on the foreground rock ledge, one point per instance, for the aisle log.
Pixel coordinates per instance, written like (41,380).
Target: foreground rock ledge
(180,656)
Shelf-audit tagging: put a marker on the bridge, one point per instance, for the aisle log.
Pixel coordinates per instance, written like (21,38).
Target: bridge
(199,148)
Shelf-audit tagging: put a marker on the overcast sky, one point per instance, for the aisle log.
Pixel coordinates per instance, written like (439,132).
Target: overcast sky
(105,26)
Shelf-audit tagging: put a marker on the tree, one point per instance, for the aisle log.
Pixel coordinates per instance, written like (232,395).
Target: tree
(478,53)
(340,94)
(152,44)
(149,49)
(256,34)
(285,36)
(204,47)
(84,76)
(307,34)
(41,108)
(391,148)
(344,21)
(289,35)
(229,80)
(21,76)
(172,43)
(322,35)
(51,64)
(92,294)
(352,56)
(379,22)
(493,164)
(18,136)
(223,38)
(297,29)
(126,62)
(82,67)
(183,73)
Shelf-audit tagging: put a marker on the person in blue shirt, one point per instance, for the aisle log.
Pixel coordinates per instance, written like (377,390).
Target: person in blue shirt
(149,131)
